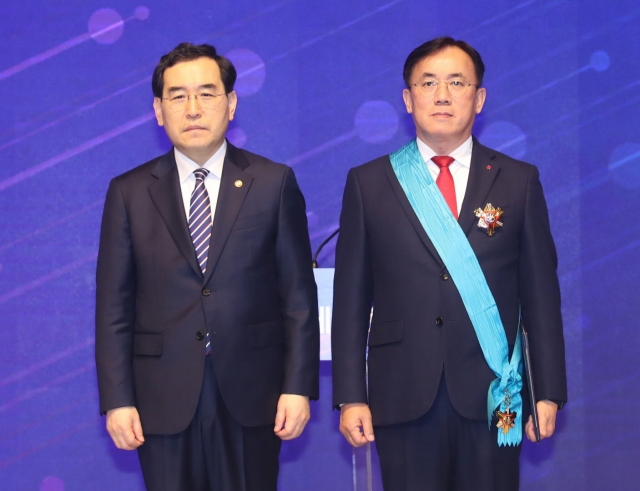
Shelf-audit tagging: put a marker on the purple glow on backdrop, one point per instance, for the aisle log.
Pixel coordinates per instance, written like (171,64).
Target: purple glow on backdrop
(600,61)
(376,121)
(106,26)
(52,483)
(237,137)
(141,12)
(251,71)
(505,137)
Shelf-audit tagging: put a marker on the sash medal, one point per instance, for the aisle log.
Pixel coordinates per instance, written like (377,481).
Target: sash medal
(506,419)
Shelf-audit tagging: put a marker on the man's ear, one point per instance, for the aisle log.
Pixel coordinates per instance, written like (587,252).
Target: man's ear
(232,100)
(408,102)
(481,95)
(157,108)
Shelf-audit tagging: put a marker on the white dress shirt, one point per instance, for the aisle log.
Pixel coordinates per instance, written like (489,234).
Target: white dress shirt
(186,166)
(459,167)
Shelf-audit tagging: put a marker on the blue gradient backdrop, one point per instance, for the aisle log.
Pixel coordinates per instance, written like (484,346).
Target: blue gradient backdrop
(320,88)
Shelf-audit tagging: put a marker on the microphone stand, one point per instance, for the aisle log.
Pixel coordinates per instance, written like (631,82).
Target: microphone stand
(314,262)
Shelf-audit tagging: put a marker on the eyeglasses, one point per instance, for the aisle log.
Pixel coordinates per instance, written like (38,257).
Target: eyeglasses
(429,87)
(206,100)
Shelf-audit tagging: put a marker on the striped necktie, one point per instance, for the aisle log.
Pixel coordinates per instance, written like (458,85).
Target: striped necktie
(200,225)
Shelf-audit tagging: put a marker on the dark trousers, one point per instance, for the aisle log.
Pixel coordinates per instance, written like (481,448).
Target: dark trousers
(442,451)
(214,453)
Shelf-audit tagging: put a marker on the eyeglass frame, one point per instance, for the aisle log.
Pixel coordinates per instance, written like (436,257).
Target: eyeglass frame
(448,84)
(196,98)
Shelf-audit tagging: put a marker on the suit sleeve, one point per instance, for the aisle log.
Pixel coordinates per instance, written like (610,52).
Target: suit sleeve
(298,293)
(540,296)
(115,305)
(352,300)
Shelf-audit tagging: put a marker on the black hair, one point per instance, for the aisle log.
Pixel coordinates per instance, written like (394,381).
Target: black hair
(431,47)
(189,52)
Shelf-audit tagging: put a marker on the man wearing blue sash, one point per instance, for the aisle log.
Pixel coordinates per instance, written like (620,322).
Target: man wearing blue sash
(450,242)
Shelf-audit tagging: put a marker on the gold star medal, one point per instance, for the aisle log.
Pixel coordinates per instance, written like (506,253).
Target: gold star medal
(489,218)
(506,420)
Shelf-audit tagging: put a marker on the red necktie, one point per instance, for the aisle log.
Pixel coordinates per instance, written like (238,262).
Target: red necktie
(445,182)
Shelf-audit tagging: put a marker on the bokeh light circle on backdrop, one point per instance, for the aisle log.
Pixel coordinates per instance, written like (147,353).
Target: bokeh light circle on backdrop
(376,121)
(600,61)
(251,71)
(52,483)
(141,12)
(237,137)
(105,26)
(624,165)
(505,137)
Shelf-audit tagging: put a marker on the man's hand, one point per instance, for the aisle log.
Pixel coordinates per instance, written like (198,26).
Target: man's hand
(355,424)
(123,424)
(291,416)
(547,411)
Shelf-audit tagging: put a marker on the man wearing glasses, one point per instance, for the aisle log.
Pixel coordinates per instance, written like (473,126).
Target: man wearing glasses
(207,339)
(450,242)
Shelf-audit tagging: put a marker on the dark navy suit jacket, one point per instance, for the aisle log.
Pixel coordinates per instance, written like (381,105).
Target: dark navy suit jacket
(258,298)
(385,259)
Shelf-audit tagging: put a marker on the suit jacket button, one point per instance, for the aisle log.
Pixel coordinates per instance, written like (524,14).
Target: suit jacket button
(438,321)
(199,336)
(444,276)
(206,292)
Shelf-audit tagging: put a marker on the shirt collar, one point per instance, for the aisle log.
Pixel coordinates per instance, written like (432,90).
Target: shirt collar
(462,154)
(186,166)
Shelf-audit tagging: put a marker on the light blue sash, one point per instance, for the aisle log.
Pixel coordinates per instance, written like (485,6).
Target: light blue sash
(461,262)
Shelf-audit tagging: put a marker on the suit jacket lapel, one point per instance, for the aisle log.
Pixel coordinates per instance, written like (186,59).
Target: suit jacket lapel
(167,197)
(482,173)
(408,209)
(230,201)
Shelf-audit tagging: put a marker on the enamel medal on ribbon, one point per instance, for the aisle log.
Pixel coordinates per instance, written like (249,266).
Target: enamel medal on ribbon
(489,218)
(506,419)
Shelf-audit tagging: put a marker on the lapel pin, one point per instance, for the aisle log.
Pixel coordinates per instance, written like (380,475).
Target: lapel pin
(489,218)
(238,183)
(488,167)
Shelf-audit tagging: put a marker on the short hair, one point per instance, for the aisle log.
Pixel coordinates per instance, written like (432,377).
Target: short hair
(189,52)
(435,45)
